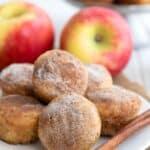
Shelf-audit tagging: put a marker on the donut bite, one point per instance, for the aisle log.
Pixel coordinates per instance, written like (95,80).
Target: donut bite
(69,122)
(117,107)
(19,117)
(98,77)
(17,79)
(57,72)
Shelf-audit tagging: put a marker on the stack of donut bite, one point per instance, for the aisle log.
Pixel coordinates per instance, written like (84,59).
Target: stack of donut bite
(61,101)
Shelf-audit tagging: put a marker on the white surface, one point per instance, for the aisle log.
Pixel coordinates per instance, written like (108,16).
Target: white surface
(138,141)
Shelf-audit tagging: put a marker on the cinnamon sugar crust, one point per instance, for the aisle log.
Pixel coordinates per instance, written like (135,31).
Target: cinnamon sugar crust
(117,107)
(57,72)
(98,77)
(69,122)
(19,119)
(17,79)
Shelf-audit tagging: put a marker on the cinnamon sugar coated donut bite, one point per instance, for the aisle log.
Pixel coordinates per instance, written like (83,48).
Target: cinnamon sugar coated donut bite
(117,107)
(57,72)
(17,79)
(98,77)
(69,122)
(19,119)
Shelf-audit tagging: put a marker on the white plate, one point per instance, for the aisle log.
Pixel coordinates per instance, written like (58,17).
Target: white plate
(138,141)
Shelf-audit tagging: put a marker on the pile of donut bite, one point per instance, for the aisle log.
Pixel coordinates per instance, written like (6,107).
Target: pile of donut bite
(61,101)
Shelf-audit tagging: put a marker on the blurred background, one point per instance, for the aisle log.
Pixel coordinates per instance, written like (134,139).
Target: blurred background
(137,14)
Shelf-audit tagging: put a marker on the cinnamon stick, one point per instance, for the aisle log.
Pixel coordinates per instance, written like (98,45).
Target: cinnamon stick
(132,127)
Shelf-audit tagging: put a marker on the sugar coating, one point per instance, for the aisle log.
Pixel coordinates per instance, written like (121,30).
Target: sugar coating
(17,73)
(17,79)
(116,93)
(19,117)
(69,122)
(98,77)
(19,100)
(117,106)
(57,72)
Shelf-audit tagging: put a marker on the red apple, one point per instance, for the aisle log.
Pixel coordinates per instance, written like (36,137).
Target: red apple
(98,35)
(26,31)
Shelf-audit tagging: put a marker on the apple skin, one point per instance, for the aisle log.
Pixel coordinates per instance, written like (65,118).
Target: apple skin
(26,32)
(98,35)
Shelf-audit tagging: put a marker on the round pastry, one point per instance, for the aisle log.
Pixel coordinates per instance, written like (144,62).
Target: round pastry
(69,122)
(98,77)
(117,107)
(58,72)
(19,119)
(17,79)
